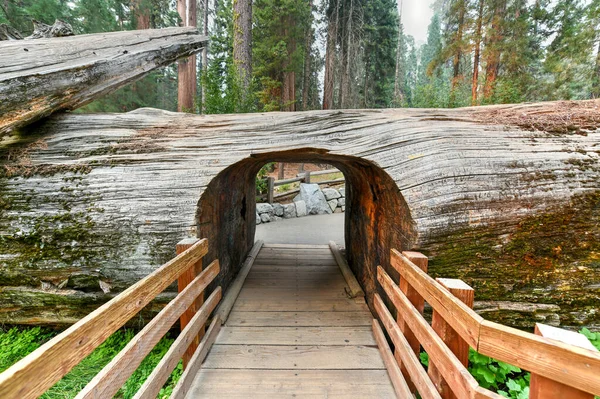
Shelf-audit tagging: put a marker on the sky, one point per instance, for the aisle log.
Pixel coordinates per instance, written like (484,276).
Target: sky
(416,15)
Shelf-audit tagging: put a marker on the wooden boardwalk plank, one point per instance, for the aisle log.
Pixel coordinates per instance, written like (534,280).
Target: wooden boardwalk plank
(300,319)
(293,384)
(293,292)
(291,304)
(346,336)
(294,333)
(294,357)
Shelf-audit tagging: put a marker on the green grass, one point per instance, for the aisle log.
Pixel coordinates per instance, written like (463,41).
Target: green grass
(17,343)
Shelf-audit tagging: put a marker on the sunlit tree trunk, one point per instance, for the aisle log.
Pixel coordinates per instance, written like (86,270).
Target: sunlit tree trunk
(187,67)
(493,51)
(242,40)
(477,55)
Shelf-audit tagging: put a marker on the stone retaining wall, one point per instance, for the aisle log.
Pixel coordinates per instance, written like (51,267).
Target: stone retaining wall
(312,200)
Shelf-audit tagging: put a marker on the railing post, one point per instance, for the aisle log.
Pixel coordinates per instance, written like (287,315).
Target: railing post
(270,189)
(419,303)
(184,279)
(451,338)
(545,388)
(307,177)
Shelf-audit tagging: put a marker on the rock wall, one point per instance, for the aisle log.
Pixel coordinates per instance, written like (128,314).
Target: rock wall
(327,200)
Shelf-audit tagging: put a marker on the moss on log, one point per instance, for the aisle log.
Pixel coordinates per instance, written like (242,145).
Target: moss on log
(508,207)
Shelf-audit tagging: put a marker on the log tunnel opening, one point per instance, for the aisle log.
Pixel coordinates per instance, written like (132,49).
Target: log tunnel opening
(377,217)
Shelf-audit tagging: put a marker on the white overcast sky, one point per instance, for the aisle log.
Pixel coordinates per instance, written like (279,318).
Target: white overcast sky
(416,15)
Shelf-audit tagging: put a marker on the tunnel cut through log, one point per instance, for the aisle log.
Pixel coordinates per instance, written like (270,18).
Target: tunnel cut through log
(376,219)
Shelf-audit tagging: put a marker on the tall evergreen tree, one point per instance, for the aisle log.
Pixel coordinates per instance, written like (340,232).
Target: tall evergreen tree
(380,46)
(567,59)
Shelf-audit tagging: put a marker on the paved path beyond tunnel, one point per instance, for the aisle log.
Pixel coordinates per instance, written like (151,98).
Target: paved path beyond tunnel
(294,333)
(313,229)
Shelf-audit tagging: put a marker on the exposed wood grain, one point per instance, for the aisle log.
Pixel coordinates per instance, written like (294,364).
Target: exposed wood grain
(187,378)
(462,319)
(292,384)
(167,364)
(39,77)
(455,374)
(414,370)
(439,177)
(320,335)
(108,381)
(234,289)
(453,341)
(34,374)
(299,319)
(564,363)
(400,385)
(355,288)
(293,357)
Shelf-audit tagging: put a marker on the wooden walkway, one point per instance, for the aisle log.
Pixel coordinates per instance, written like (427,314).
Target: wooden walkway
(294,333)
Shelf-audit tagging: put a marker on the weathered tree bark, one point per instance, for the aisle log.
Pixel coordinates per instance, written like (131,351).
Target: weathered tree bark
(332,31)
(43,31)
(186,71)
(242,40)
(9,33)
(505,197)
(39,77)
(476,57)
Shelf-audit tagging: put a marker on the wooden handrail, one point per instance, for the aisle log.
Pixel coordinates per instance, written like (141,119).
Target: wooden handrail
(41,369)
(566,364)
(108,381)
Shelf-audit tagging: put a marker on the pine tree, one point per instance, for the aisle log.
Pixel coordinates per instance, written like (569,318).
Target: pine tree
(380,46)
(567,60)
(278,50)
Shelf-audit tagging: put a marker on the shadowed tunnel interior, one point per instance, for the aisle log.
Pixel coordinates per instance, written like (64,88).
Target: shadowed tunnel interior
(376,218)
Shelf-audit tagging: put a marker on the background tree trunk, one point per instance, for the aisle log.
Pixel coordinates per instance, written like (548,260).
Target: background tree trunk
(186,97)
(205,54)
(307,62)
(332,32)
(493,49)
(476,57)
(242,40)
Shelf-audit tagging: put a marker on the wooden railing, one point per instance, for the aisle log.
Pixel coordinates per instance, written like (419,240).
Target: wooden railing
(304,177)
(563,364)
(40,370)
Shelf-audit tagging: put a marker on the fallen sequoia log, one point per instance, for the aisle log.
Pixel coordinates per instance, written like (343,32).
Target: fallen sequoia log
(39,77)
(505,197)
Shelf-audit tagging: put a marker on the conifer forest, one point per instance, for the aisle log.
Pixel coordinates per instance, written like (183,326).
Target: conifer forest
(294,55)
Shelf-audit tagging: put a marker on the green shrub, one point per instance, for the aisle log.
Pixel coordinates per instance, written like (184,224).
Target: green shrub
(593,337)
(503,378)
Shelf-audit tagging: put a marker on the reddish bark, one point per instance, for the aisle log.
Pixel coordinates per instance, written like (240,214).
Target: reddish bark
(186,94)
